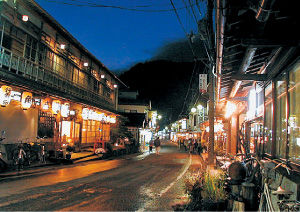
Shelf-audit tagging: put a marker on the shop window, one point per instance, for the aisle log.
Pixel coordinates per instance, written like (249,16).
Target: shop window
(294,118)
(268,130)
(281,118)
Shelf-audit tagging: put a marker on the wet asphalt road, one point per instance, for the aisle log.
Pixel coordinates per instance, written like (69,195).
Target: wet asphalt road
(146,182)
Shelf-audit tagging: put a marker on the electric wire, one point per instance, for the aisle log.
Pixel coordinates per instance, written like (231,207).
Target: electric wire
(112,6)
(175,10)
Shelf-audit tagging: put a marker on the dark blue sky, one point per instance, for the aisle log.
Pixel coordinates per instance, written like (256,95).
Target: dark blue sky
(121,37)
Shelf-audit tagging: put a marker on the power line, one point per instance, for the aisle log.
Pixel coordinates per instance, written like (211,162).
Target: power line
(133,8)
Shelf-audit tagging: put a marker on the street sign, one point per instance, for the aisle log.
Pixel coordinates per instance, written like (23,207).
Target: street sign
(203,83)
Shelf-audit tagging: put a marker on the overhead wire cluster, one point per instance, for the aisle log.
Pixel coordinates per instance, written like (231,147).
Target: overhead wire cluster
(197,15)
(138,8)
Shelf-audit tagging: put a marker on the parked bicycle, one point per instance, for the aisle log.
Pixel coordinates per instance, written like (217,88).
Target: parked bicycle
(24,154)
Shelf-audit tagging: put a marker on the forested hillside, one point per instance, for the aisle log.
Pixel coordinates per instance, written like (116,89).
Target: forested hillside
(165,83)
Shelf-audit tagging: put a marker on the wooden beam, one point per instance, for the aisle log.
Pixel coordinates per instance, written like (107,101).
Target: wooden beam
(255,77)
(263,42)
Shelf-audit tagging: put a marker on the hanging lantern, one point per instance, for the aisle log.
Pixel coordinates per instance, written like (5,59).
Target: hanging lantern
(85,113)
(65,110)
(25,18)
(5,95)
(56,106)
(46,104)
(26,100)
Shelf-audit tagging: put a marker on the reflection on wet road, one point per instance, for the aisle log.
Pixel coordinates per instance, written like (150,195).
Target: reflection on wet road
(135,183)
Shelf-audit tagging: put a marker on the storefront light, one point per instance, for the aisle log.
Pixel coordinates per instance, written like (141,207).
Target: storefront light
(113,120)
(102,76)
(193,110)
(56,106)
(62,46)
(85,64)
(5,95)
(91,115)
(230,109)
(26,100)
(65,110)
(85,113)
(103,117)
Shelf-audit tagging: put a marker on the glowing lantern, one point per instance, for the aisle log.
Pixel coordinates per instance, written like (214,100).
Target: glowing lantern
(65,110)
(26,100)
(5,95)
(25,18)
(46,104)
(56,106)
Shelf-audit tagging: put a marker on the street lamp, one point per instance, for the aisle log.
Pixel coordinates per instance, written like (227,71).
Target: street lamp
(193,110)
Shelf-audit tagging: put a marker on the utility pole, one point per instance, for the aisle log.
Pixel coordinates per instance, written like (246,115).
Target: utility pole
(211,87)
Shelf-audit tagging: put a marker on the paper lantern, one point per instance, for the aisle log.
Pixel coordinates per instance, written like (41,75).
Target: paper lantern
(26,100)
(56,106)
(5,95)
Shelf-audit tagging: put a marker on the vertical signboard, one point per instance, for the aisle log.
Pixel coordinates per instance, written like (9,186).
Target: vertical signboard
(203,83)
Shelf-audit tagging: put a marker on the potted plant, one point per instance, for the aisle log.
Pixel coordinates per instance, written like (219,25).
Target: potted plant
(206,192)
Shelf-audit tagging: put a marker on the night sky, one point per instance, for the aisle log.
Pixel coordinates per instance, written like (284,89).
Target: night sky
(119,34)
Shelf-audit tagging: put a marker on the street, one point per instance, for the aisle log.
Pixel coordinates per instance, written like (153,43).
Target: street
(145,182)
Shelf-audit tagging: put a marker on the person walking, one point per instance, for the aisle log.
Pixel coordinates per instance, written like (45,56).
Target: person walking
(151,145)
(157,145)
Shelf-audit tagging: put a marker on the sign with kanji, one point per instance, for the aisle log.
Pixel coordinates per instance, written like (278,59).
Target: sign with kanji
(203,83)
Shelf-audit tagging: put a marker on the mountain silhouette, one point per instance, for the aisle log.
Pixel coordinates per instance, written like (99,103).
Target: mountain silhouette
(166,84)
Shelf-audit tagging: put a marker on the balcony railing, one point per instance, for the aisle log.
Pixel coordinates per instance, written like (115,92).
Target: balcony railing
(34,72)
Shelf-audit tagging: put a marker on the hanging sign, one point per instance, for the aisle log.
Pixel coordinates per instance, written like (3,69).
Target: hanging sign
(5,95)
(26,100)
(203,83)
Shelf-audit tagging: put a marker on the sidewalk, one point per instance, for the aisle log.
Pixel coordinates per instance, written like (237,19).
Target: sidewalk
(33,168)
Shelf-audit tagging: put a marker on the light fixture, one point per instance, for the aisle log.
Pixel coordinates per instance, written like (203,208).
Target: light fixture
(102,76)
(85,64)
(62,46)
(115,86)
(5,95)
(56,106)
(26,100)
(281,193)
(25,18)
(193,110)
(200,107)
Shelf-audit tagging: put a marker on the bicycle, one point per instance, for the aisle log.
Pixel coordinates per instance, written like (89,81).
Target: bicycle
(24,154)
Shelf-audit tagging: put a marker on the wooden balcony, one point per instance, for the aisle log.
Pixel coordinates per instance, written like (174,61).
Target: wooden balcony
(21,72)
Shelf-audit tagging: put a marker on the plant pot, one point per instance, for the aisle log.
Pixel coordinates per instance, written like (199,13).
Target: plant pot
(208,205)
